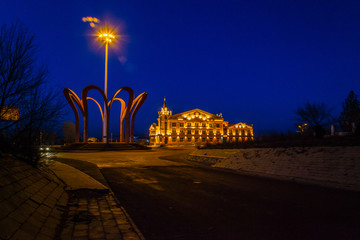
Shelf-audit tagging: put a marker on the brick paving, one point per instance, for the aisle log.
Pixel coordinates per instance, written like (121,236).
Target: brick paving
(95,216)
(31,202)
(34,205)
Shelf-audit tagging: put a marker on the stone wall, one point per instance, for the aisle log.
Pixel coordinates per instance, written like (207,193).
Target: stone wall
(328,166)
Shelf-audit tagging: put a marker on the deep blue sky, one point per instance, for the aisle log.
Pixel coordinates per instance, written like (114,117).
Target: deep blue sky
(254,61)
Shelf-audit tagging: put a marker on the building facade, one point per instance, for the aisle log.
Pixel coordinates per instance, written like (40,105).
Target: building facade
(196,127)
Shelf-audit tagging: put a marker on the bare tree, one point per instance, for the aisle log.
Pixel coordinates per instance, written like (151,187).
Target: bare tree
(317,117)
(68,130)
(351,112)
(23,88)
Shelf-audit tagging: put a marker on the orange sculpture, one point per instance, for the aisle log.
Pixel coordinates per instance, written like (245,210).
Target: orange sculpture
(127,114)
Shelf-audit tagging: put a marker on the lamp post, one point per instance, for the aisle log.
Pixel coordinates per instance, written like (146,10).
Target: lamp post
(106,37)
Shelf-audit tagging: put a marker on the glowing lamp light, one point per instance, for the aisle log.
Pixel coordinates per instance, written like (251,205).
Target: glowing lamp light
(106,36)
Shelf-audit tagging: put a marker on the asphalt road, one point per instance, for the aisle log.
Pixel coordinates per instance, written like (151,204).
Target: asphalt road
(176,199)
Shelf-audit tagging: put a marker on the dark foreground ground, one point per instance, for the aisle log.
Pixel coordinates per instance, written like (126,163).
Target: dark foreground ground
(191,201)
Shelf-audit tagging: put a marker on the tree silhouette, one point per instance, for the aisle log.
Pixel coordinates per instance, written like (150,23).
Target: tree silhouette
(316,116)
(23,88)
(68,130)
(350,113)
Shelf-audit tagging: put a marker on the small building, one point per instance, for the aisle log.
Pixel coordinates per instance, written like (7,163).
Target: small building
(196,127)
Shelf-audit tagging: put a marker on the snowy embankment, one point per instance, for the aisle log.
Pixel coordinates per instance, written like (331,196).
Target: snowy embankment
(328,166)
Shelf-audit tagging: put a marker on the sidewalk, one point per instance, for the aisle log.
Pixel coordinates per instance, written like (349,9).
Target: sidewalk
(58,202)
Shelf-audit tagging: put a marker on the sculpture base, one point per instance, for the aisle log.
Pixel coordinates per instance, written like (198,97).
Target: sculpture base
(105,146)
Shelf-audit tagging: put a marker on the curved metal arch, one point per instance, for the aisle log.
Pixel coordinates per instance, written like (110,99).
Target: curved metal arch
(123,107)
(100,108)
(71,97)
(126,110)
(86,112)
(138,102)
(127,89)
(102,115)
(123,104)
(124,114)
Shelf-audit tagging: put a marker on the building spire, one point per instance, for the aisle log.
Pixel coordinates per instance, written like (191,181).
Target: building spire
(164,105)
(165,110)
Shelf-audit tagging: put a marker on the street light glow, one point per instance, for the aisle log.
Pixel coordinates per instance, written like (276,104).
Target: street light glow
(106,35)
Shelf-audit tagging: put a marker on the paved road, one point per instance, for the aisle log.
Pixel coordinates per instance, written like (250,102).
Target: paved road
(176,199)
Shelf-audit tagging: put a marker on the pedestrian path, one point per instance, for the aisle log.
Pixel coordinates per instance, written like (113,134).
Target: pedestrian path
(96,216)
(58,202)
(75,179)
(32,202)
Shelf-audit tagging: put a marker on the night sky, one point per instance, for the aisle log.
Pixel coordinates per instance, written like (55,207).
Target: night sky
(254,61)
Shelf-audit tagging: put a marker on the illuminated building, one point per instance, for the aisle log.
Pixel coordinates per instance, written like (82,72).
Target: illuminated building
(196,127)
(9,113)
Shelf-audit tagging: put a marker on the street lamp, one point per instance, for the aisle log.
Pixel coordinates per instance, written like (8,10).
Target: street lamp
(106,36)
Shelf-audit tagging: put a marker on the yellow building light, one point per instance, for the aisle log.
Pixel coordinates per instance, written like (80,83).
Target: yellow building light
(9,113)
